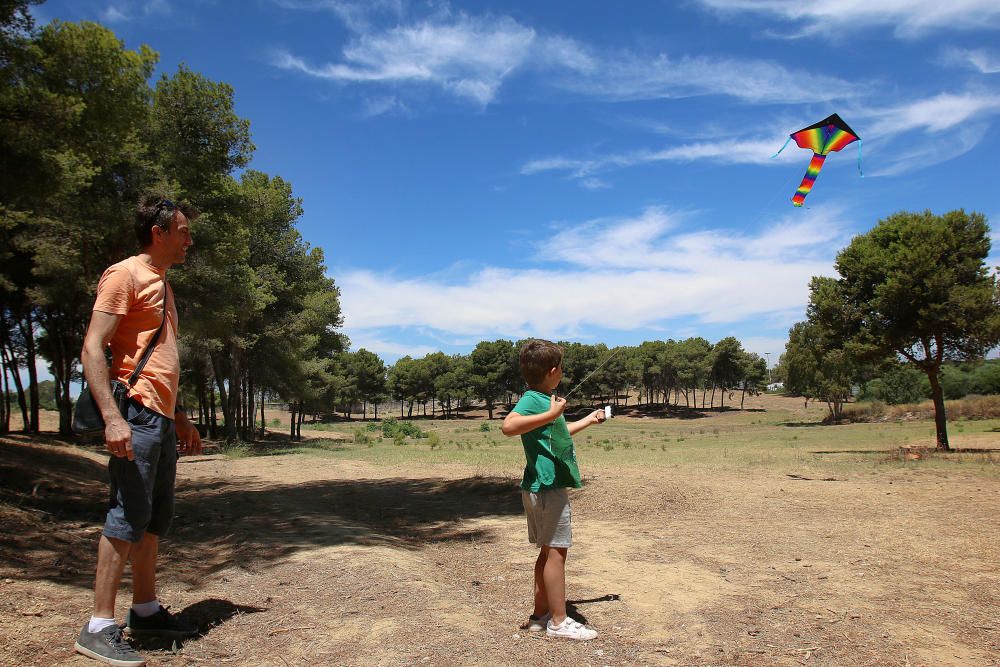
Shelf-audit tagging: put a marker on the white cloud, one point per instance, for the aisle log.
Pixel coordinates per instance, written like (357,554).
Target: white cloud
(617,274)
(467,57)
(908,18)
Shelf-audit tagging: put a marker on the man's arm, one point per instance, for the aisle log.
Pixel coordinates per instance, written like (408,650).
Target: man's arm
(595,417)
(117,434)
(515,423)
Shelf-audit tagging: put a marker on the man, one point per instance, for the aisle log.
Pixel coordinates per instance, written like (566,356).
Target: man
(133,298)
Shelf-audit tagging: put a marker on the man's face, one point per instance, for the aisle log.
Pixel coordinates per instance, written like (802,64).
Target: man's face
(177,239)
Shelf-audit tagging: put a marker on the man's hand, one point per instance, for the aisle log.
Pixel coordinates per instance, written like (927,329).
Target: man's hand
(118,437)
(188,438)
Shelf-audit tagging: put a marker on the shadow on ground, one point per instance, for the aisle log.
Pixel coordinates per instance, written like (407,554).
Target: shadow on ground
(52,504)
(204,615)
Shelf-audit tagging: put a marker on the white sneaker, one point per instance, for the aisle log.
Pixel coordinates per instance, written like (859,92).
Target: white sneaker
(537,623)
(570,629)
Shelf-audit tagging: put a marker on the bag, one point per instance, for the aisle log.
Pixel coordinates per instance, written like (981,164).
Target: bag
(87,419)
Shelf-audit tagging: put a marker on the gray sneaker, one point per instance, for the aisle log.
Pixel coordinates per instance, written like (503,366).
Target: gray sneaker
(108,646)
(160,624)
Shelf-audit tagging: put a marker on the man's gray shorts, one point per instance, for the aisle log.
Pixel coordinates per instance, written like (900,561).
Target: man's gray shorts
(549,517)
(142,491)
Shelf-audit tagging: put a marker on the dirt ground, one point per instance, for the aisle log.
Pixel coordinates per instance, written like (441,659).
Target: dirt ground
(286,560)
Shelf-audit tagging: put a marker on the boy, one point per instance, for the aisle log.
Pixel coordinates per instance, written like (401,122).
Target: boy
(551,468)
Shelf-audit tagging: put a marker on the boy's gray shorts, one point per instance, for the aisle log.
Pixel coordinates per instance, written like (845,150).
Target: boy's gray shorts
(142,491)
(549,517)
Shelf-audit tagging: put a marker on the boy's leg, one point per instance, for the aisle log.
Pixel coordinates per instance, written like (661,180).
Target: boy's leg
(541,595)
(554,580)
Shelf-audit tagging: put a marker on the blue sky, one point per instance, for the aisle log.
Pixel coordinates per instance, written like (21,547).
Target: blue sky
(598,172)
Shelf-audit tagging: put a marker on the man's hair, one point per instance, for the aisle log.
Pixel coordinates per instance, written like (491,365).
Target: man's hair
(537,358)
(158,210)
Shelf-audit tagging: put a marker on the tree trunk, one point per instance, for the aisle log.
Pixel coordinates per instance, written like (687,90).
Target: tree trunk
(213,420)
(224,400)
(743,395)
(263,422)
(291,420)
(29,341)
(713,397)
(302,416)
(940,421)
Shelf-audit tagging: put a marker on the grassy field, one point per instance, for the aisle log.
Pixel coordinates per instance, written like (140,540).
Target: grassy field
(786,435)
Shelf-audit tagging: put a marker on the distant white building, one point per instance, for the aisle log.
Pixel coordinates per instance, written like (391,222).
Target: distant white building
(775,386)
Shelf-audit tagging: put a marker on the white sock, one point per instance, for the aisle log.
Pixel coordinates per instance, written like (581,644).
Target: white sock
(97,624)
(145,609)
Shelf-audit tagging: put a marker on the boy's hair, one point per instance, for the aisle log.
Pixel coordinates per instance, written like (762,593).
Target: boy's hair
(155,209)
(537,358)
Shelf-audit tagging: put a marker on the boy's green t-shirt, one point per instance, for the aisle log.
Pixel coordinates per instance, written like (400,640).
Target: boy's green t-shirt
(551,458)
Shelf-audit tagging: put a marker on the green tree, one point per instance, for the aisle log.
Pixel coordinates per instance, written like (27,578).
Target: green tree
(917,286)
(369,370)
(491,371)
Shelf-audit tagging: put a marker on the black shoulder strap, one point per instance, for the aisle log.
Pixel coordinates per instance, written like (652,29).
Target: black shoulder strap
(152,343)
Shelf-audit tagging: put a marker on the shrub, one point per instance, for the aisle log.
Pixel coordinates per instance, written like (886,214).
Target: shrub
(392,428)
(361,436)
(484,427)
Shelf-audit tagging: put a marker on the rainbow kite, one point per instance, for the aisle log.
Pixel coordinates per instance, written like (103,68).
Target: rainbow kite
(825,137)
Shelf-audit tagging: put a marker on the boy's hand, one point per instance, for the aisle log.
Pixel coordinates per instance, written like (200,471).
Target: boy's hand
(556,406)
(597,416)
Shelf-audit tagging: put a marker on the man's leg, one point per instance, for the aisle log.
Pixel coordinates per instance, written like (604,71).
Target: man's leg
(554,579)
(541,596)
(112,554)
(143,558)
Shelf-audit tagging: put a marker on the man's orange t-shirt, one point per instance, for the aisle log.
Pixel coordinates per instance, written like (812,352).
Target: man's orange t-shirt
(134,289)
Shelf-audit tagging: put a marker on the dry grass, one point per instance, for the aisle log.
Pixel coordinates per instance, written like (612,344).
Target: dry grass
(970,407)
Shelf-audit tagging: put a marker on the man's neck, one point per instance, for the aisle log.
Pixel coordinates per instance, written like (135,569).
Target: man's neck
(155,259)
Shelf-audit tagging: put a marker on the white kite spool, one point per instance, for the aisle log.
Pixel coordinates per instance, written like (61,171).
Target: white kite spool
(607,412)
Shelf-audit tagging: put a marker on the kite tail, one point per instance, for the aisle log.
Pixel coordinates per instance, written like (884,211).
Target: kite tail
(812,171)
(859,160)
(781,149)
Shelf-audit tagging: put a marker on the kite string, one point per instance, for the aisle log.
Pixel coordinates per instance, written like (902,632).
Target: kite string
(859,159)
(580,383)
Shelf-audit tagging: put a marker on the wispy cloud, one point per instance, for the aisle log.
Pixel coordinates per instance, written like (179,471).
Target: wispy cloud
(467,57)
(908,18)
(358,16)
(629,76)
(470,57)
(125,11)
(986,62)
(948,125)
(616,274)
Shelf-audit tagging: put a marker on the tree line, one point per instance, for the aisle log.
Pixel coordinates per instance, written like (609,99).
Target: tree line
(692,373)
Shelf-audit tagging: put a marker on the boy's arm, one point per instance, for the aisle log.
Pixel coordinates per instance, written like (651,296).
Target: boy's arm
(515,423)
(595,417)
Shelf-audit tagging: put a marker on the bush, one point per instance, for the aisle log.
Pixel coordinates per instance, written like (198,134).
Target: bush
(392,428)
(434,440)
(955,382)
(986,378)
(361,436)
(901,384)
(484,427)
